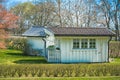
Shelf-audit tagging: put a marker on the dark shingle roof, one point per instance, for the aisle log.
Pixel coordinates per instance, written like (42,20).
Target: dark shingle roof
(78,31)
(35,31)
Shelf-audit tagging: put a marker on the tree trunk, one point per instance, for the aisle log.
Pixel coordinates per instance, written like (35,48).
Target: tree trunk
(59,12)
(117,32)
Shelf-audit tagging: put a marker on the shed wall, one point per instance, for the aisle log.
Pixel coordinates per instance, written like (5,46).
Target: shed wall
(35,46)
(70,55)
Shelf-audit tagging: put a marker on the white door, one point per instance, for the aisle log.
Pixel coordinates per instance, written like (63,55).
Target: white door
(100,50)
(66,51)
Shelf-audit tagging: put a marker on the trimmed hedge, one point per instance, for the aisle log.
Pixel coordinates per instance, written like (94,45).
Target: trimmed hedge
(59,70)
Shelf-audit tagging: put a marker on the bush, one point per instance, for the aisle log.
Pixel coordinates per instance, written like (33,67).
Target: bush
(40,72)
(62,70)
(18,43)
(59,70)
(48,70)
(56,72)
(114,49)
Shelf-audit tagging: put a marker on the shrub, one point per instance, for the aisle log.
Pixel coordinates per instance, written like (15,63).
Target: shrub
(40,72)
(12,71)
(114,70)
(56,72)
(62,70)
(91,71)
(17,43)
(34,72)
(26,71)
(77,70)
(69,70)
(83,70)
(20,71)
(114,49)
(48,70)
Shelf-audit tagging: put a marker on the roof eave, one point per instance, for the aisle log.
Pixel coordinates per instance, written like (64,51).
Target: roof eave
(80,35)
(32,36)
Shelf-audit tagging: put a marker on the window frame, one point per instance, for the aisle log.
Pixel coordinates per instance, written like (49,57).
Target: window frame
(92,43)
(84,43)
(76,43)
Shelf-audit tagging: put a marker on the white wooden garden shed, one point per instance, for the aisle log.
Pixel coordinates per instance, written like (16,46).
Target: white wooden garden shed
(72,44)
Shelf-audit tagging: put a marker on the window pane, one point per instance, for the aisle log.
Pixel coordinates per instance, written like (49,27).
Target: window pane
(84,43)
(75,43)
(92,43)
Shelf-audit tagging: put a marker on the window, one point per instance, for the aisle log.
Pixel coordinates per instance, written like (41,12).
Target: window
(75,43)
(84,43)
(92,43)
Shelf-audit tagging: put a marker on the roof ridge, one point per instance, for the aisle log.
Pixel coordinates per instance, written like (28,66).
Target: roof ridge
(37,26)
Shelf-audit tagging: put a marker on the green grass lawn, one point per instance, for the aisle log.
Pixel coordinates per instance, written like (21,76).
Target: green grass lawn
(16,57)
(115,61)
(65,78)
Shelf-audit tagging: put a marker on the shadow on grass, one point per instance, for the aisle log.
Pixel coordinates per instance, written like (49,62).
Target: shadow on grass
(15,54)
(25,59)
(31,61)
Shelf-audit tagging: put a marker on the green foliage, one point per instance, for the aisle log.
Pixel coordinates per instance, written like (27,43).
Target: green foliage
(65,78)
(40,72)
(16,57)
(16,43)
(62,70)
(24,11)
(51,47)
(69,70)
(114,49)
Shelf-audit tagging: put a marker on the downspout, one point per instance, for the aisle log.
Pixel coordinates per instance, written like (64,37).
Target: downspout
(45,50)
(108,48)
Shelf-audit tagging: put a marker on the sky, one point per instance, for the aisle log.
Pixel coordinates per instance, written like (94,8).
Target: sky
(10,3)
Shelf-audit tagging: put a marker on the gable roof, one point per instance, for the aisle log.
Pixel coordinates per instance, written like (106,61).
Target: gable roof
(35,31)
(78,31)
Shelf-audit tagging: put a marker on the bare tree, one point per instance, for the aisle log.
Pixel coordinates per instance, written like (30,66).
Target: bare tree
(24,11)
(73,13)
(111,10)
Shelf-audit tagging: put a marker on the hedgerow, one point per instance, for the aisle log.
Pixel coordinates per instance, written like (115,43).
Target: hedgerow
(59,70)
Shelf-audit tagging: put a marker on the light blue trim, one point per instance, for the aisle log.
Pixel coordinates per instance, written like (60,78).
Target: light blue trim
(83,48)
